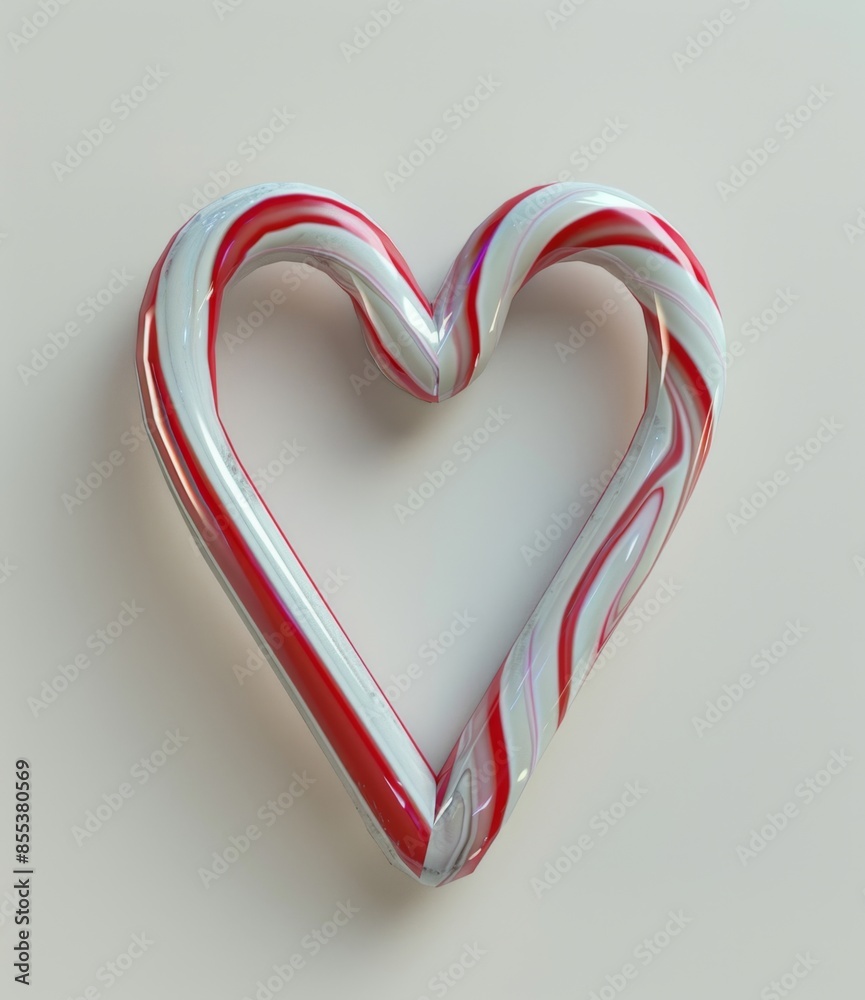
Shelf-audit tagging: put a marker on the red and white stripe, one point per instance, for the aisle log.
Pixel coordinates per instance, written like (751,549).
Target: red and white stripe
(436,827)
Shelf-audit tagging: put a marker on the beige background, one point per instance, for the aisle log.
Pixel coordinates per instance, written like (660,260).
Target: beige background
(683,123)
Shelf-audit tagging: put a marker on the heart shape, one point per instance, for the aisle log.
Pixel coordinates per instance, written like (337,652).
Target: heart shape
(435,827)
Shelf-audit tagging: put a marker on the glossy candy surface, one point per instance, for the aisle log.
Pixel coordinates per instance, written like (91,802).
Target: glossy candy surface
(435,827)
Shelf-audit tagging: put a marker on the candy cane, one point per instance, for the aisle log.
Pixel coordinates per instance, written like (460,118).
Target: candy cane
(435,827)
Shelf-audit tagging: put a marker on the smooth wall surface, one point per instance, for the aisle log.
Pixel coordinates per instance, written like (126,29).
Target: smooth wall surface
(696,828)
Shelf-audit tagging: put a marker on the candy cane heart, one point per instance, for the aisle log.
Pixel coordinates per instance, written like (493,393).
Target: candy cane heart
(434,826)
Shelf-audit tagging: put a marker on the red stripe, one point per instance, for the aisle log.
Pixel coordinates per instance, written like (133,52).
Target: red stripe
(691,376)
(395,371)
(488,812)
(354,746)
(623,227)
(581,593)
(499,749)
(698,390)
(697,267)
(478,244)
(281,212)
